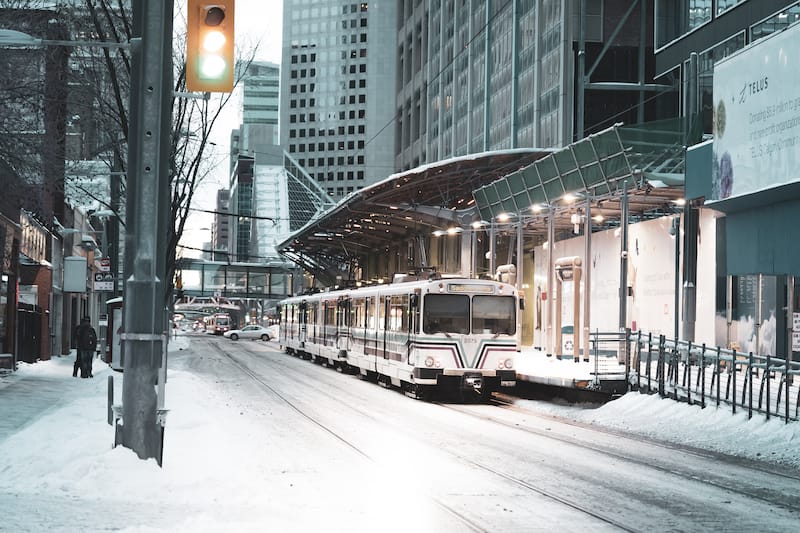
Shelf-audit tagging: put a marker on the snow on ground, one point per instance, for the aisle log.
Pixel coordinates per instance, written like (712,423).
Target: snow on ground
(713,428)
(68,450)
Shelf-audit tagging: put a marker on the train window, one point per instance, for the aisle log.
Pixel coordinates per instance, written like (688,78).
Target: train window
(448,313)
(369,313)
(494,314)
(357,313)
(382,313)
(413,311)
(329,317)
(311,315)
(398,316)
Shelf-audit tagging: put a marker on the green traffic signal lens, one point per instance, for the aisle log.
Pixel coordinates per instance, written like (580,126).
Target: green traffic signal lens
(212,67)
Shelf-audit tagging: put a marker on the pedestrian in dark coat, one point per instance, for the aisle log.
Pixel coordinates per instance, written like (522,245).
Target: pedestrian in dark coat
(87,344)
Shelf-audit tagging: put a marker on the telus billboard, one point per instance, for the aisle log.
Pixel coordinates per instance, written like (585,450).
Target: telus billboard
(757,116)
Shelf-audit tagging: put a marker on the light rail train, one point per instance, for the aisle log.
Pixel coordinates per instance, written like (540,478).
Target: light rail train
(422,335)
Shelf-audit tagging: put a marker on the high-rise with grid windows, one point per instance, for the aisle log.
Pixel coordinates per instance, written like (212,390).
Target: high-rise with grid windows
(337,88)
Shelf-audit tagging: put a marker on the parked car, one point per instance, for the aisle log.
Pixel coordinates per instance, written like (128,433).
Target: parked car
(253,331)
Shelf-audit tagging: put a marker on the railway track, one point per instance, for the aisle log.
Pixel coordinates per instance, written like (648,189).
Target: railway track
(472,525)
(765,493)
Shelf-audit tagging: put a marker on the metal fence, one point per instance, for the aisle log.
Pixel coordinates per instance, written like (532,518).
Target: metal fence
(698,374)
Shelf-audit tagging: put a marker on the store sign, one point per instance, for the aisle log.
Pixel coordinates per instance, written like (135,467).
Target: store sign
(757,117)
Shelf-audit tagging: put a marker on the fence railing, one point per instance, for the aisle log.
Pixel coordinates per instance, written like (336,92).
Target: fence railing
(699,374)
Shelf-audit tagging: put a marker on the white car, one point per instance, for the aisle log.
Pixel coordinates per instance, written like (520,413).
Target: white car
(253,331)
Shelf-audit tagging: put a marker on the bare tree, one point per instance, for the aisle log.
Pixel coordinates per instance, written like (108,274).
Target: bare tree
(98,109)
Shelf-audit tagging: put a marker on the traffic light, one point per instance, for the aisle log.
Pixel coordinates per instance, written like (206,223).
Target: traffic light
(209,46)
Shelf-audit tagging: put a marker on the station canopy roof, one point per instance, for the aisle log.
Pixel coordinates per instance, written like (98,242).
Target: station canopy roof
(477,188)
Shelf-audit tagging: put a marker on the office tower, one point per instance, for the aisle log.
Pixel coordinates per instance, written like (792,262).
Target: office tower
(337,87)
(480,75)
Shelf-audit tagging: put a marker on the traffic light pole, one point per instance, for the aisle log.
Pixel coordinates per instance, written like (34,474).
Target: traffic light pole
(144,322)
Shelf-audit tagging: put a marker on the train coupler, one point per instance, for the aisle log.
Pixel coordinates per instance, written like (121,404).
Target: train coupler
(472,382)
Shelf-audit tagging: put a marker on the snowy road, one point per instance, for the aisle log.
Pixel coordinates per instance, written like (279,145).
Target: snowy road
(257,440)
(485,467)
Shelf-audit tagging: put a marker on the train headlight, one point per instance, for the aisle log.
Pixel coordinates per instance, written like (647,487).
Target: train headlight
(438,363)
(509,363)
(429,361)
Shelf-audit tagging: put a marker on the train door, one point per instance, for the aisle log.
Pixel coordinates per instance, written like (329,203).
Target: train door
(302,321)
(330,320)
(383,318)
(343,323)
(413,322)
(370,330)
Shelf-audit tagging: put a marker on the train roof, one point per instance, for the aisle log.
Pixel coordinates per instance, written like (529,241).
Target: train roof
(401,286)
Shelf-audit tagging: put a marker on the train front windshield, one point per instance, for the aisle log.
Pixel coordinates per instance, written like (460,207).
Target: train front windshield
(450,313)
(494,314)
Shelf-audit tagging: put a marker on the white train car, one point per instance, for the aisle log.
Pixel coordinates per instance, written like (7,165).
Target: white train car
(454,333)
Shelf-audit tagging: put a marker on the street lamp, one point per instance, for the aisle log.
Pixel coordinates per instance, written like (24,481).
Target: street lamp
(18,39)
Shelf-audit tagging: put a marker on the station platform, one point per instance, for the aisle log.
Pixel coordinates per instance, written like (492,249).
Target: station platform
(603,374)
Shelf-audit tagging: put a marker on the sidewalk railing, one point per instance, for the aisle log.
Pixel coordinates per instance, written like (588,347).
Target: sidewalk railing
(609,354)
(699,374)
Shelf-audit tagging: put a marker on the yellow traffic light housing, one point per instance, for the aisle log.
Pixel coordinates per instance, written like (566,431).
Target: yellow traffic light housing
(209,46)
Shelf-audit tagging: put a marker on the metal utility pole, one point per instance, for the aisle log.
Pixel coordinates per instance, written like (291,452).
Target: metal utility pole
(144,336)
(623,259)
(690,213)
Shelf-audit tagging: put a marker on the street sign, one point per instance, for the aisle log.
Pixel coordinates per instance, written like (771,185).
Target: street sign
(103,264)
(103,282)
